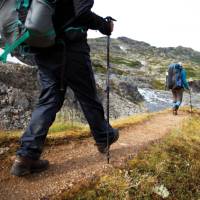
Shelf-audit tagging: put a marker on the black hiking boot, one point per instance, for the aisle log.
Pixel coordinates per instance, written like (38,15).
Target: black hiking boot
(175,110)
(102,147)
(24,165)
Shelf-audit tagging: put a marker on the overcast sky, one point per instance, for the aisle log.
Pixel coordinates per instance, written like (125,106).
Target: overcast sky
(162,23)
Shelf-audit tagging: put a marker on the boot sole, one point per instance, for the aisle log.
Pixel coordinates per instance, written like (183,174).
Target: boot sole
(106,149)
(26,172)
(38,170)
(19,174)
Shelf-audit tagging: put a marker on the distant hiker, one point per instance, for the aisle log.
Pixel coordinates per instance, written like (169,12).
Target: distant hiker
(177,82)
(67,63)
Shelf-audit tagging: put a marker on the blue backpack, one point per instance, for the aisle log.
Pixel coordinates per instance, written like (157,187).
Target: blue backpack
(174,78)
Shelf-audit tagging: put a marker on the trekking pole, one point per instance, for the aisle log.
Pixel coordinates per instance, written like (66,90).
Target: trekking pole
(109,19)
(73,110)
(166,80)
(72,118)
(190,102)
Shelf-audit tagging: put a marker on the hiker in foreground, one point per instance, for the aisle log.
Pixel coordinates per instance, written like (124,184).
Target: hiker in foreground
(177,82)
(66,64)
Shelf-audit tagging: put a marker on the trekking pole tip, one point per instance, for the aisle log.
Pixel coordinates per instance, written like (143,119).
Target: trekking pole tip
(108,160)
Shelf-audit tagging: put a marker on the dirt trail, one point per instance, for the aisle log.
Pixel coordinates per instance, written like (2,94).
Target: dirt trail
(78,161)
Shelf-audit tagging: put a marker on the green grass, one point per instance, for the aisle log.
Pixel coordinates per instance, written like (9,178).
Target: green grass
(172,165)
(111,187)
(131,120)
(119,71)
(196,59)
(129,63)
(167,170)
(62,132)
(58,132)
(99,68)
(157,84)
(66,126)
(193,73)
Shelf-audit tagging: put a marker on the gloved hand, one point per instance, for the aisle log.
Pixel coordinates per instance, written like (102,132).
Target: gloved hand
(111,26)
(108,26)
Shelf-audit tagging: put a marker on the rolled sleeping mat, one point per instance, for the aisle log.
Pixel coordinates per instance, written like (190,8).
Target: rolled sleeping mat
(39,24)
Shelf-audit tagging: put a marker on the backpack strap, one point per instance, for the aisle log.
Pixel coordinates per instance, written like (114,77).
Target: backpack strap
(14,45)
(11,47)
(78,29)
(26,3)
(23,3)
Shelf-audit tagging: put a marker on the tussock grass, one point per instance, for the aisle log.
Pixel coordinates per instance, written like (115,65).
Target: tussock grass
(61,132)
(171,169)
(187,109)
(131,120)
(158,84)
(58,132)
(167,170)
(8,137)
(113,186)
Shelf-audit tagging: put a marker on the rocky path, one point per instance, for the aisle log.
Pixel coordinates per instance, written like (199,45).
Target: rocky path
(78,161)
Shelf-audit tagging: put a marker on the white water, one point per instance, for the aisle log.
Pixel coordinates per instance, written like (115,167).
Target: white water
(156,100)
(122,48)
(153,96)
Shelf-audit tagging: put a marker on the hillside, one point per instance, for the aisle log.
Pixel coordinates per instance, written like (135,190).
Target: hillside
(146,63)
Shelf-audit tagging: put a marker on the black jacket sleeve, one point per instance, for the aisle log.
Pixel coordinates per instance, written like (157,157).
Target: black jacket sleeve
(95,22)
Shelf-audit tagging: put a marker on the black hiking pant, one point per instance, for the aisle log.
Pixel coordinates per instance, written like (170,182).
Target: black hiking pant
(78,75)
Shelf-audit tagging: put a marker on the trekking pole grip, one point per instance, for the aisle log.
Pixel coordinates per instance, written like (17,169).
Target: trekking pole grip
(109,19)
(110,23)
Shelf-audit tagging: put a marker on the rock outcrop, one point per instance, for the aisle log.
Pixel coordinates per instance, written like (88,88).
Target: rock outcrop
(19,91)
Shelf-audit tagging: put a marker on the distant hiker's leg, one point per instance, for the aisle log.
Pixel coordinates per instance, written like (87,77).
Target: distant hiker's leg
(174,108)
(181,95)
(81,80)
(50,102)
(179,98)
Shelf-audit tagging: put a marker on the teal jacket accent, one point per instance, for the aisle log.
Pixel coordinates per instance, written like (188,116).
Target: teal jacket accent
(184,79)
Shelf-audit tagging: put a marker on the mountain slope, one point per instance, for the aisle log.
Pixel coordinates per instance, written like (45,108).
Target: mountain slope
(145,61)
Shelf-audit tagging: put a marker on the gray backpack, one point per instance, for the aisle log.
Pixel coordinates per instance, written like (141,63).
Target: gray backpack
(27,22)
(174,78)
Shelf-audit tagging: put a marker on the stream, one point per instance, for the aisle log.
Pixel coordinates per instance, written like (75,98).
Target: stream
(156,100)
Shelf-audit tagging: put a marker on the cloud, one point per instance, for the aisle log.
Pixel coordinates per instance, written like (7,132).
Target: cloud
(160,23)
